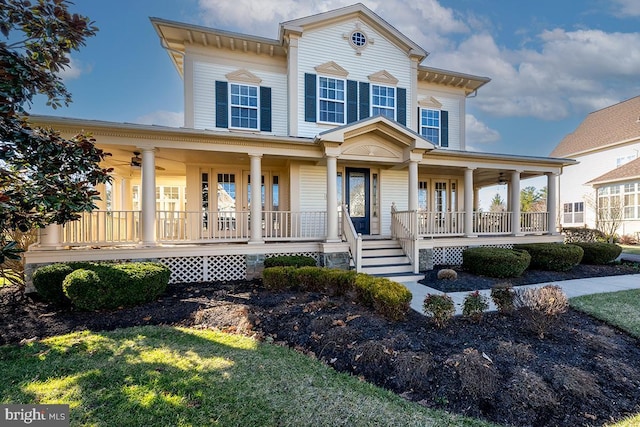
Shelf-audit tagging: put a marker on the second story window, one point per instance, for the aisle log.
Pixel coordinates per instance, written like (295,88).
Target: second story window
(383,101)
(430,125)
(331,99)
(244,106)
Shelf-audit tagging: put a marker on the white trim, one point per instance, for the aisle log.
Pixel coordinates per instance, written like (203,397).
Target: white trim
(420,125)
(344,101)
(395,100)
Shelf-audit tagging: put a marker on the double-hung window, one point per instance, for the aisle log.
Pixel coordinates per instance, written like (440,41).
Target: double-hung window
(244,106)
(573,213)
(430,125)
(331,100)
(383,101)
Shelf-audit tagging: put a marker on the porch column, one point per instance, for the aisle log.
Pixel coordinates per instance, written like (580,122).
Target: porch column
(50,237)
(552,201)
(469,192)
(515,203)
(413,185)
(256,199)
(332,199)
(148,196)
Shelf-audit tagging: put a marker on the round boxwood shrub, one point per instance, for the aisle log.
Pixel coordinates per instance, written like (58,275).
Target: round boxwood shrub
(290,261)
(495,262)
(85,289)
(599,253)
(552,256)
(48,281)
(117,285)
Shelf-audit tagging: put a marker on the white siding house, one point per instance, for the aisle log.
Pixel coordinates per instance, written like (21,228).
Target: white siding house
(605,184)
(334,133)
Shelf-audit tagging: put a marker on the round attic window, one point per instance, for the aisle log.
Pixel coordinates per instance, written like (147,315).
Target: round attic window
(358,39)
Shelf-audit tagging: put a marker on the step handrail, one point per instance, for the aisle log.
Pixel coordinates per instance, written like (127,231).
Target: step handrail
(353,238)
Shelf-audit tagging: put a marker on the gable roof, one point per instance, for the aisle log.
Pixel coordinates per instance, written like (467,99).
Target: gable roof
(625,172)
(366,15)
(607,127)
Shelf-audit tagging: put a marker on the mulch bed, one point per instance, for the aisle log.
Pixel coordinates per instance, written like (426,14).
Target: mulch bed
(470,282)
(584,373)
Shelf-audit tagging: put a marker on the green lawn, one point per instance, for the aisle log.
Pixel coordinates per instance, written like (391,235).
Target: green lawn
(631,249)
(185,377)
(621,309)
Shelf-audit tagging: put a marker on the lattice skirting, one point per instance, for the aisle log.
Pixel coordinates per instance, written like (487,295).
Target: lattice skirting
(195,269)
(453,255)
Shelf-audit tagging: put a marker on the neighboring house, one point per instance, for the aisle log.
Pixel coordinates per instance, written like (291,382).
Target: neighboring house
(338,128)
(605,184)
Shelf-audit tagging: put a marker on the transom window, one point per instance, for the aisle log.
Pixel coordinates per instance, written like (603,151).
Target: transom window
(430,125)
(331,100)
(244,106)
(383,101)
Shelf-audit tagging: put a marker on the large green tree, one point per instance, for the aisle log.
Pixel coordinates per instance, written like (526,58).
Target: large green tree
(44,178)
(533,200)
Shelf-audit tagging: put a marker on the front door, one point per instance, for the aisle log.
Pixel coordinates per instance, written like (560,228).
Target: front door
(357,189)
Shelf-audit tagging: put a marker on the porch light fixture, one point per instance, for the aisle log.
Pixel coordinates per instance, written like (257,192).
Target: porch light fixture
(501,179)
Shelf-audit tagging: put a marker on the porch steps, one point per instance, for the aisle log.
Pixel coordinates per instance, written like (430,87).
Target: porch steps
(385,258)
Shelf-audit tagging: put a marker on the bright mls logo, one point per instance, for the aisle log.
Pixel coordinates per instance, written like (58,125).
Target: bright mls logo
(35,415)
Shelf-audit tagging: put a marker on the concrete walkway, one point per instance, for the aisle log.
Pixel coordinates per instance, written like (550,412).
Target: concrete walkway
(572,288)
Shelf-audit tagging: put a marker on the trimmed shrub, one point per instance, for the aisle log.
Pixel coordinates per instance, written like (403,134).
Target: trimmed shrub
(447,274)
(290,261)
(541,307)
(495,262)
(439,308)
(388,298)
(48,281)
(119,285)
(552,256)
(503,295)
(599,253)
(474,305)
(85,289)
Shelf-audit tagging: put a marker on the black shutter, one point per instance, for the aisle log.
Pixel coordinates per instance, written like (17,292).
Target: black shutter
(222,105)
(265,109)
(444,128)
(364,100)
(309,97)
(401,106)
(352,101)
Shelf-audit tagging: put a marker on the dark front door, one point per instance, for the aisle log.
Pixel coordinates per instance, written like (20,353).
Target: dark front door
(357,189)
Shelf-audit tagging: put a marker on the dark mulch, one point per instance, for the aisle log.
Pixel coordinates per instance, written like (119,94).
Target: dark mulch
(470,282)
(583,374)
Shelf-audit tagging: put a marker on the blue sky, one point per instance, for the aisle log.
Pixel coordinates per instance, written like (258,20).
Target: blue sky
(551,62)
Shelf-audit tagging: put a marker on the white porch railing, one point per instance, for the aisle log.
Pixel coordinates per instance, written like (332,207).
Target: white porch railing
(103,228)
(285,225)
(354,239)
(404,228)
(534,222)
(492,223)
(432,224)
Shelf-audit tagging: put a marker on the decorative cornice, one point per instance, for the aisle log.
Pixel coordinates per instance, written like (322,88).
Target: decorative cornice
(430,102)
(331,68)
(384,77)
(243,76)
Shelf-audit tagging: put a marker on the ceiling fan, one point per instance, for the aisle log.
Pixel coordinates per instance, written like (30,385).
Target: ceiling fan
(136,162)
(501,179)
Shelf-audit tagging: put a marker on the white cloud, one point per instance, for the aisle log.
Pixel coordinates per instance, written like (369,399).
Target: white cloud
(75,69)
(162,118)
(627,7)
(478,132)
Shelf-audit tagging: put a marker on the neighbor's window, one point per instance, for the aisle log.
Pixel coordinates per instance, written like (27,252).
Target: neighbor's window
(383,101)
(631,201)
(331,100)
(244,106)
(573,213)
(430,125)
